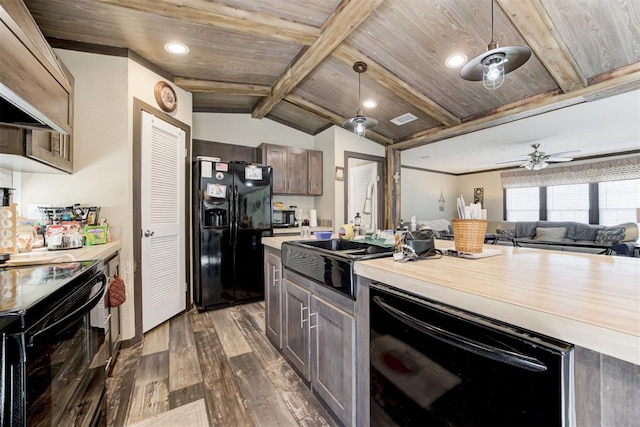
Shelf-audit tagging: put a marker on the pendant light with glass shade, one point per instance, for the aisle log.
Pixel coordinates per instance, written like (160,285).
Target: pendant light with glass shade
(493,65)
(359,124)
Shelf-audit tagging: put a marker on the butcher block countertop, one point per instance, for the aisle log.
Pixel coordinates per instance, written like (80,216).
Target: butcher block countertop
(44,256)
(588,300)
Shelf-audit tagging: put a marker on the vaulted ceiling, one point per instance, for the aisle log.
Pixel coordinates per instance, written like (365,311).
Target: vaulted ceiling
(291,61)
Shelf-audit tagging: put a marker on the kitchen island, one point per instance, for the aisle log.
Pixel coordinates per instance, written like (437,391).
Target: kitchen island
(590,301)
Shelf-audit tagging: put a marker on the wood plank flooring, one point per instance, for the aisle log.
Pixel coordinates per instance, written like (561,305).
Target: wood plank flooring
(221,356)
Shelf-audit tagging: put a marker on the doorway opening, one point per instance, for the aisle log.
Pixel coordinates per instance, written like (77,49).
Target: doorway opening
(364,184)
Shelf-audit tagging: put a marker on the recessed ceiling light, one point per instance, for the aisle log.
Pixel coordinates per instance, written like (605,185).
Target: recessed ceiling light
(455,61)
(176,48)
(369,103)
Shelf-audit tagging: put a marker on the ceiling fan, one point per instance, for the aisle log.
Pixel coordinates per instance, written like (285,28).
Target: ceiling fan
(539,159)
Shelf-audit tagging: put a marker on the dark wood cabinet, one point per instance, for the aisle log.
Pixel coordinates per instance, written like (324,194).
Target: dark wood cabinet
(319,341)
(295,170)
(315,173)
(54,149)
(51,148)
(296,332)
(31,73)
(273,296)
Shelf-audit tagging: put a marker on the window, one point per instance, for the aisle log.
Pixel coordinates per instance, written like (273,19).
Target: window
(568,203)
(523,204)
(618,201)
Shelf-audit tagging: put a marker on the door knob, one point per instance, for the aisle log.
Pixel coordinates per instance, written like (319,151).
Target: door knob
(148,233)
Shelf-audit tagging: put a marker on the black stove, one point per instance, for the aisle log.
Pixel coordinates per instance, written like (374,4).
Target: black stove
(30,291)
(51,341)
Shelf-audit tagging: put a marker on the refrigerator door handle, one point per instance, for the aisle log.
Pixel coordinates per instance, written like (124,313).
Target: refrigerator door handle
(236,216)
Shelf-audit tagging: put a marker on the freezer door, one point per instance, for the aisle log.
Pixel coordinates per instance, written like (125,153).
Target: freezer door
(215,267)
(249,265)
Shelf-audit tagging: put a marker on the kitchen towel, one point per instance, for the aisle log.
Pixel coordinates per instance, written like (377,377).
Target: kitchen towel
(313,218)
(117,292)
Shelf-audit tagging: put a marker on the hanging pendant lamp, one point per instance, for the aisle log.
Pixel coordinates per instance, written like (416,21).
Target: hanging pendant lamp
(493,65)
(359,124)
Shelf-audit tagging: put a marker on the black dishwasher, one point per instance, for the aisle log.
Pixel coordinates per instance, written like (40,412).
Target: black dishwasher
(435,365)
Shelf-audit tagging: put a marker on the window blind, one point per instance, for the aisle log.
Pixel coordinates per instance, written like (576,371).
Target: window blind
(568,203)
(618,201)
(602,171)
(523,204)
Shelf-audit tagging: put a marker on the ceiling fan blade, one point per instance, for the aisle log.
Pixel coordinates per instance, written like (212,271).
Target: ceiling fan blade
(558,159)
(564,153)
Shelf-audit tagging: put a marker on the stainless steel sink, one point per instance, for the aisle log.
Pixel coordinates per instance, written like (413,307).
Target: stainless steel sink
(330,262)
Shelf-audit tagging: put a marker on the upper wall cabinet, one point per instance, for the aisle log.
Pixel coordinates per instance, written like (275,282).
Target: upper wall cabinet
(36,90)
(295,170)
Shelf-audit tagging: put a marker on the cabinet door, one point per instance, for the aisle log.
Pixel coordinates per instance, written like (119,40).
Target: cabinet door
(315,173)
(296,327)
(333,353)
(273,298)
(297,173)
(276,157)
(52,148)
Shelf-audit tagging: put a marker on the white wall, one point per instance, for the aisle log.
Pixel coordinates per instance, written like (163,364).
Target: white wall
(241,129)
(103,147)
(493,199)
(420,191)
(345,140)
(324,141)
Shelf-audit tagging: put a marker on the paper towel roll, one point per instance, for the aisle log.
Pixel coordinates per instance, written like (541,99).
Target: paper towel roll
(313,218)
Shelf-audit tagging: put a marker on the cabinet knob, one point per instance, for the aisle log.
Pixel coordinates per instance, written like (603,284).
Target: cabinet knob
(148,233)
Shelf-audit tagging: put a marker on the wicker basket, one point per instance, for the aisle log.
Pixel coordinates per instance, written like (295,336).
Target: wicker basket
(468,234)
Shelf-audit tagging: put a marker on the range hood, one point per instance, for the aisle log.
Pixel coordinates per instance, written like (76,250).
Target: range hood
(15,111)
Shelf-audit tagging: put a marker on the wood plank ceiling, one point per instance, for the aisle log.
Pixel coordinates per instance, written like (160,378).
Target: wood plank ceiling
(291,61)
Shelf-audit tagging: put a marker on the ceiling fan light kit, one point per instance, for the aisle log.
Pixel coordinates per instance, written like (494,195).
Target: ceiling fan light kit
(492,66)
(359,124)
(538,160)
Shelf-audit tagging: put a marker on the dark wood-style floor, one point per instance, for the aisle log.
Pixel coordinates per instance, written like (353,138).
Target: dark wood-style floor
(221,356)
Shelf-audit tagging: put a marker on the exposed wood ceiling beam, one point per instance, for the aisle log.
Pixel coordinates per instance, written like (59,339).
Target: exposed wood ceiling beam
(332,117)
(349,54)
(624,79)
(346,18)
(210,86)
(531,19)
(230,18)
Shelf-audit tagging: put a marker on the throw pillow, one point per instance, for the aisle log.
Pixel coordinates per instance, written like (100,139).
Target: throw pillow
(609,235)
(550,234)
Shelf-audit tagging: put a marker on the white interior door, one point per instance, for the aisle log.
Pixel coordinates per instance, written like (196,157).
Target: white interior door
(162,219)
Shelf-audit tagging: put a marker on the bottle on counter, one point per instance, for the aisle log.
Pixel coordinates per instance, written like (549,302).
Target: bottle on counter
(357,225)
(305,231)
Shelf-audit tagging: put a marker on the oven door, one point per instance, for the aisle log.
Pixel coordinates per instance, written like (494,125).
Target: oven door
(63,374)
(433,365)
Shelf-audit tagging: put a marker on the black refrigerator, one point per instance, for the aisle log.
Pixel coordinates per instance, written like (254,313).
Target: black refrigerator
(232,212)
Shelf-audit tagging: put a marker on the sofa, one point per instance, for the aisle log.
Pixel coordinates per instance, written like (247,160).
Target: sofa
(570,236)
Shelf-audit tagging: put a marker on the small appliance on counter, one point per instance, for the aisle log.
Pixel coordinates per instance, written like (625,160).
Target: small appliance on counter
(284,218)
